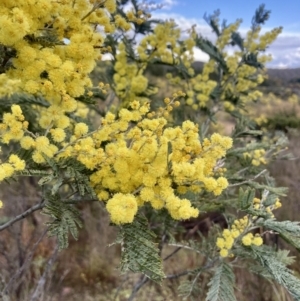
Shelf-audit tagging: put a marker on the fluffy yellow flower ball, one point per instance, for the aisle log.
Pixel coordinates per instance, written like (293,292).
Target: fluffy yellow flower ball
(247,239)
(80,129)
(122,208)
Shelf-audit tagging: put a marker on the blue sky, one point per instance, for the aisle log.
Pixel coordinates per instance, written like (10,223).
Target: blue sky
(286,13)
(283,12)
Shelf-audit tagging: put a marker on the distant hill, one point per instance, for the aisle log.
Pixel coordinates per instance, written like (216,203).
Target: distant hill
(276,76)
(286,75)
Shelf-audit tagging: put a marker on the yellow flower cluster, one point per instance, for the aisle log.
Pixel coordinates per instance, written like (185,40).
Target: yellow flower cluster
(13,125)
(228,106)
(138,17)
(229,236)
(254,42)
(1,204)
(241,80)
(249,240)
(8,169)
(129,79)
(144,161)
(225,37)
(202,87)
(14,128)
(225,243)
(257,156)
(56,45)
(8,86)
(122,208)
(241,226)
(246,76)
(162,44)
(247,79)
(258,204)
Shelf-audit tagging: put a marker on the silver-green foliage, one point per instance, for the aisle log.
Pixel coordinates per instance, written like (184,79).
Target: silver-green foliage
(221,285)
(65,219)
(140,253)
(277,270)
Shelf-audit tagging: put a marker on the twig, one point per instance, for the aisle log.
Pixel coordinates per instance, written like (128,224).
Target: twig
(96,6)
(22,268)
(198,270)
(40,286)
(172,253)
(120,287)
(145,279)
(250,180)
(75,141)
(22,215)
(185,247)
(178,275)
(137,287)
(61,279)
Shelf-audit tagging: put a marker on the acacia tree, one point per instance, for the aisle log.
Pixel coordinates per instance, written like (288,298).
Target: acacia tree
(147,159)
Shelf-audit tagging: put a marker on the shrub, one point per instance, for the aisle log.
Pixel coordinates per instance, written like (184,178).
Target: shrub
(151,162)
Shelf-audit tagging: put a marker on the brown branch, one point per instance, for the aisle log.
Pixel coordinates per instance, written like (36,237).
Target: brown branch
(137,287)
(38,292)
(96,6)
(22,215)
(249,180)
(25,264)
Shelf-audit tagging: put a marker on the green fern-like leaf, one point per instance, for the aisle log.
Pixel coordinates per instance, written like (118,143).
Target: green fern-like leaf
(48,39)
(34,173)
(66,218)
(246,198)
(213,52)
(260,17)
(140,253)
(289,231)
(277,190)
(277,270)
(284,257)
(221,285)
(189,289)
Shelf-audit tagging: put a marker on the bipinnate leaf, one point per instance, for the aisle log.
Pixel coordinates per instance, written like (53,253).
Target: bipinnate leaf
(140,253)
(289,231)
(221,285)
(277,270)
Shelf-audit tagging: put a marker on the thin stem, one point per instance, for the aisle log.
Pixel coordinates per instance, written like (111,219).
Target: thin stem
(22,268)
(185,247)
(137,287)
(120,287)
(247,181)
(73,142)
(172,253)
(30,133)
(22,215)
(72,202)
(174,276)
(41,284)
(93,9)
(48,128)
